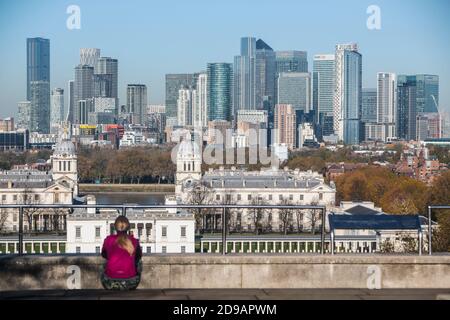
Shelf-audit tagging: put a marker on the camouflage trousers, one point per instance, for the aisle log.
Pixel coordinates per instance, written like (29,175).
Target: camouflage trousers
(121,284)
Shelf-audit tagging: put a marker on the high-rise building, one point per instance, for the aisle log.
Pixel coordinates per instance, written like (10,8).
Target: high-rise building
(69,116)
(265,68)
(24,115)
(40,106)
(285,122)
(38,62)
(323,86)
(429,126)
(387,104)
(137,102)
(244,94)
(83,88)
(406,107)
(186,102)
(348,96)
(292,61)
(174,82)
(90,56)
(294,88)
(103,86)
(220,82)
(107,65)
(369,105)
(200,109)
(56,109)
(427,93)
(7,125)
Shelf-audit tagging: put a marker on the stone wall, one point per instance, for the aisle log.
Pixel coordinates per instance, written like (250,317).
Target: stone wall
(234,271)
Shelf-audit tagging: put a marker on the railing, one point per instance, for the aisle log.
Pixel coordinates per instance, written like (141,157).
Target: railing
(124,208)
(430,227)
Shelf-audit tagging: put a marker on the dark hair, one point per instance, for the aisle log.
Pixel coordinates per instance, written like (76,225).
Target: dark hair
(122,226)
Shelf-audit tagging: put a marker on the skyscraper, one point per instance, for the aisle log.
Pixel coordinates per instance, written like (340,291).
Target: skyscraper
(284,123)
(186,102)
(244,94)
(40,106)
(83,88)
(137,102)
(38,62)
(24,115)
(294,88)
(292,61)
(220,81)
(107,65)
(387,103)
(56,109)
(406,107)
(323,85)
(70,105)
(348,97)
(200,109)
(90,56)
(427,93)
(174,82)
(265,67)
(369,105)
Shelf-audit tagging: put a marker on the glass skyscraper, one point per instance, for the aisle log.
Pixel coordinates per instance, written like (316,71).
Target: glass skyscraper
(38,62)
(369,105)
(323,86)
(265,76)
(406,107)
(174,82)
(348,97)
(137,102)
(294,88)
(244,92)
(83,89)
(427,93)
(291,61)
(220,82)
(40,106)
(107,65)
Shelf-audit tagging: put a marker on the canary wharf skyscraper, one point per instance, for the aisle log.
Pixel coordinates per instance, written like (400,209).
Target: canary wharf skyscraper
(174,82)
(265,67)
(348,96)
(244,94)
(323,87)
(106,65)
(220,81)
(38,62)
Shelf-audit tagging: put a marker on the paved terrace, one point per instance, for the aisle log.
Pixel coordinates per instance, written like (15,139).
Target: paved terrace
(250,277)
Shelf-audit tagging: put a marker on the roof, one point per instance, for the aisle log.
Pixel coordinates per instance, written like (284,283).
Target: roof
(362,210)
(264,182)
(374,222)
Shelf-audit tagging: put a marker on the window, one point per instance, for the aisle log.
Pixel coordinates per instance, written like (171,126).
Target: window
(228,197)
(78,232)
(15,217)
(164,232)
(183,249)
(97,250)
(78,250)
(280,197)
(4,197)
(97,232)
(239,197)
(183,232)
(149,249)
(302,197)
(270,197)
(320,196)
(218,197)
(15,197)
(60,165)
(291,197)
(164,249)
(64,165)
(68,165)
(249,197)
(36,197)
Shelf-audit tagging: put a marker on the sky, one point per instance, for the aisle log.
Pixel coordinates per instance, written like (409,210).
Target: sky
(152,38)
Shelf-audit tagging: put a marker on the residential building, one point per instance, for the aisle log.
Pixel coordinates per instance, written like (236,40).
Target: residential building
(285,125)
(220,81)
(7,124)
(56,110)
(137,102)
(24,115)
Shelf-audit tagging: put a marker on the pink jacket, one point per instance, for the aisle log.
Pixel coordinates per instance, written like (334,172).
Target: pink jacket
(120,265)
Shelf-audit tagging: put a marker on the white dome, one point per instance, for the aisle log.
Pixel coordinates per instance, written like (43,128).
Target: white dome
(65,147)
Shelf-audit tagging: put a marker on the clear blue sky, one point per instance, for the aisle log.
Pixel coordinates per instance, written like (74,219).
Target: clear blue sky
(152,38)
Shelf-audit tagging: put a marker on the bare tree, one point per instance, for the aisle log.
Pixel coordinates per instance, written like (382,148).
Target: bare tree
(286,216)
(258,215)
(298,213)
(313,217)
(28,197)
(3,218)
(200,194)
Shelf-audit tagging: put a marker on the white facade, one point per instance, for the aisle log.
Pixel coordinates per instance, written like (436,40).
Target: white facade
(56,109)
(305,132)
(24,115)
(186,101)
(252,116)
(131,138)
(157,231)
(200,105)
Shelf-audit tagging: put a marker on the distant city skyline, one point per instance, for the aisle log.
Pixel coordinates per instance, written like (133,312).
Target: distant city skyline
(148,44)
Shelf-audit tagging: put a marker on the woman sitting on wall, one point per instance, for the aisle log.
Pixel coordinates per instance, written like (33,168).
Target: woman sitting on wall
(123,254)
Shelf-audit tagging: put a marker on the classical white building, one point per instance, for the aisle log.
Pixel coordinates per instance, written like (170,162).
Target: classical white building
(158,230)
(233,186)
(33,187)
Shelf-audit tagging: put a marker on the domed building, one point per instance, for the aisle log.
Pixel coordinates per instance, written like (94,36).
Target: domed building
(189,164)
(34,187)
